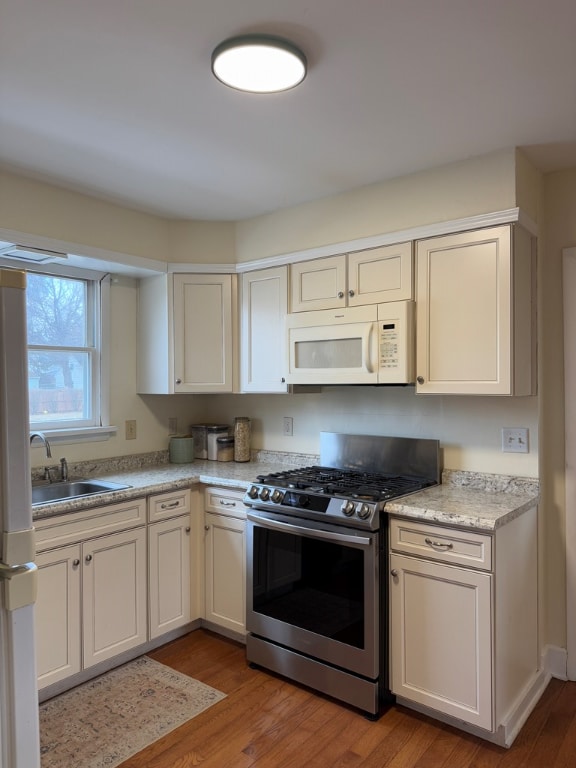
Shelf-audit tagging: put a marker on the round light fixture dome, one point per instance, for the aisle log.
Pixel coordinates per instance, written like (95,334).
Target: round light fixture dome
(259,64)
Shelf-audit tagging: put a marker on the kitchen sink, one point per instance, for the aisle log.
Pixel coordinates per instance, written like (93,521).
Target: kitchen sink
(51,492)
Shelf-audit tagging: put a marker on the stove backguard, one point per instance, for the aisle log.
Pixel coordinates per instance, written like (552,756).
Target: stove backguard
(417,457)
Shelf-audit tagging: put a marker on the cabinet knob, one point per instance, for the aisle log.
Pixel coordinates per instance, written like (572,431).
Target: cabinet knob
(340,294)
(76,563)
(283,380)
(394,573)
(420,379)
(206,527)
(178,381)
(350,292)
(88,558)
(187,529)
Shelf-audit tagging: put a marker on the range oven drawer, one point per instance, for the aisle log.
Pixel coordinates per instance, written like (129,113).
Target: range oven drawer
(446,545)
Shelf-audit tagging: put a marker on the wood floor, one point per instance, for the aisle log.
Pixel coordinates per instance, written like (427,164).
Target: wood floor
(267,722)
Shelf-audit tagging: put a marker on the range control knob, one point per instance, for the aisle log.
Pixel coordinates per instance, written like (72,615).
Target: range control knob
(265,494)
(253,492)
(364,512)
(276,496)
(348,508)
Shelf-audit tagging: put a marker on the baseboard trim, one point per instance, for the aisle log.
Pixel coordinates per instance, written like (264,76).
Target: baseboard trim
(520,712)
(555,661)
(507,731)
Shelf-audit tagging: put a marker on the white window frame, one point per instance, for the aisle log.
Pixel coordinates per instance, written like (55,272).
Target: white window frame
(100,428)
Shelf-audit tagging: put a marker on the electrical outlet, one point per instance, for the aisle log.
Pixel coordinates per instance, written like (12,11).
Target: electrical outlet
(172,425)
(515,440)
(287,426)
(130,427)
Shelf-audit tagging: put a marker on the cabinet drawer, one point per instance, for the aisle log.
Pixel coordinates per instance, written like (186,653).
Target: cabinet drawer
(447,545)
(76,526)
(170,504)
(225,502)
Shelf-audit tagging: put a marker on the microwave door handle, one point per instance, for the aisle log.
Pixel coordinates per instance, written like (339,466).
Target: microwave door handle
(367,348)
(315,533)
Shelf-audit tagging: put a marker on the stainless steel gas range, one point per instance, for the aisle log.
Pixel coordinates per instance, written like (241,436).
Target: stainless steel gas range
(317,575)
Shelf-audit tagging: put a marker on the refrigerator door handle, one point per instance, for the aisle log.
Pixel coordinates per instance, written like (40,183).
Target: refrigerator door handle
(18,574)
(20,584)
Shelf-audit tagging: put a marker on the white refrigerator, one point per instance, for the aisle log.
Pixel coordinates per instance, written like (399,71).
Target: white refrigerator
(19,735)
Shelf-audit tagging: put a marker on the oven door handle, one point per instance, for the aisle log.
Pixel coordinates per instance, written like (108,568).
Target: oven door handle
(315,533)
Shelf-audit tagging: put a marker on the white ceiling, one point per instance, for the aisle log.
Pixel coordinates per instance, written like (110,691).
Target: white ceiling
(115,98)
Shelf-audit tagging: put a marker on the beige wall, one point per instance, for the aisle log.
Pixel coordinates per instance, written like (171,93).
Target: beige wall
(81,223)
(480,185)
(559,233)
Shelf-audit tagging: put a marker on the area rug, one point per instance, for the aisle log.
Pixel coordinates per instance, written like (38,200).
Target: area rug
(103,722)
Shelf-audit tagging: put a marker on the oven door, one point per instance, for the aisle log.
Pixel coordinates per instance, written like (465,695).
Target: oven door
(314,588)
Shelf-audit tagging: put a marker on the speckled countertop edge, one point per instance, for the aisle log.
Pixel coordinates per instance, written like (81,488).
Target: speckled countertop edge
(465,499)
(470,500)
(161,477)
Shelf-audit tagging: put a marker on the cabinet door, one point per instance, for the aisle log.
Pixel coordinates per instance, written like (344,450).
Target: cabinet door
(203,340)
(441,638)
(114,594)
(318,284)
(263,338)
(225,558)
(474,314)
(58,615)
(379,275)
(169,551)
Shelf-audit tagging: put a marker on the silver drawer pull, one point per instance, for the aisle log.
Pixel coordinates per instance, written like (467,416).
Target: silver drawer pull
(441,545)
(227,503)
(170,505)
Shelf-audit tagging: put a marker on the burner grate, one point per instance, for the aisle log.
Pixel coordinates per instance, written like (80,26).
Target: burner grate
(345,483)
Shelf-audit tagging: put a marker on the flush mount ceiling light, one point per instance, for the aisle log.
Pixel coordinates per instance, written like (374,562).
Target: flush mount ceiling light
(259,64)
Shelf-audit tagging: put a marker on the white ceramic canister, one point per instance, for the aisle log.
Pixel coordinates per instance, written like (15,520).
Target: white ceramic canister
(213,432)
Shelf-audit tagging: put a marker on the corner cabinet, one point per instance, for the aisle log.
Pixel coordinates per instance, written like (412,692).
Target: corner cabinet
(371,276)
(476,313)
(264,302)
(464,624)
(186,333)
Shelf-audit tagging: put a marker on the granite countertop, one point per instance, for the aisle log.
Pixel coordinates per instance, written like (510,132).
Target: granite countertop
(161,479)
(465,499)
(465,506)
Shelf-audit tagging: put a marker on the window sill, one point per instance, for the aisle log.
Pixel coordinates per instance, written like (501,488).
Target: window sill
(77,435)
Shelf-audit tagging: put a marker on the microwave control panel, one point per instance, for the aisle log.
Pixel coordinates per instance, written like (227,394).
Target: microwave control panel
(396,342)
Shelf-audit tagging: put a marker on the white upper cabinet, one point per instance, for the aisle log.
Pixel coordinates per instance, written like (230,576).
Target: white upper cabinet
(372,276)
(186,333)
(263,335)
(475,313)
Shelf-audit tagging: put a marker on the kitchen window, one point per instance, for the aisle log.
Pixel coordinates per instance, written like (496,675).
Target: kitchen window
(67,342)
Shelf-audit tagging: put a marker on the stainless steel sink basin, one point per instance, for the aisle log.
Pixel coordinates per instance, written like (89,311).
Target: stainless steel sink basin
(51,492)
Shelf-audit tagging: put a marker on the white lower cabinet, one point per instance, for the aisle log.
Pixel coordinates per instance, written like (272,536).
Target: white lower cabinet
(442,638)
(58,622)
(92,588)
(464,623)
(169,550)
(225,559)
(114,616)
(91,603)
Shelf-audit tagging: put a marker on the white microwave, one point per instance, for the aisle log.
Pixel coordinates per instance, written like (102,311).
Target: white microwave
(372,344)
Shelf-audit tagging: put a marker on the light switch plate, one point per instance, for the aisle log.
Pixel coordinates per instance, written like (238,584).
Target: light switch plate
(515,440)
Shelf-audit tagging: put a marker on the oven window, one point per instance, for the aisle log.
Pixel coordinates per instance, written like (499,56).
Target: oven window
(312,584)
